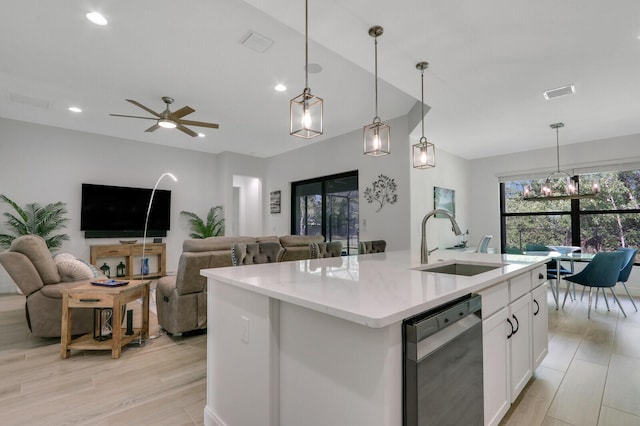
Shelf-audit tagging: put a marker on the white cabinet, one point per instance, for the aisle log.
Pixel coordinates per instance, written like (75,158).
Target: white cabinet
(519,337)
(514,330)
(496,365)
(540,325)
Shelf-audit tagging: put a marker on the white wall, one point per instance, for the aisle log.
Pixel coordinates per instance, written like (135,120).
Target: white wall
(343,154)
(47,164)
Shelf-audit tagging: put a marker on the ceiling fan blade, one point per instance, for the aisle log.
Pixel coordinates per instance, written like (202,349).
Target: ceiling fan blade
(187,131)
(133,116)
(153,128)
(199,123)
(186,110)
(139,105)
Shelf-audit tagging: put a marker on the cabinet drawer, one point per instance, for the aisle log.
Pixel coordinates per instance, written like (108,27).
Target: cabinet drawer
(112,251)
(148,249)
(494,298)
(520,285)
(539,276)
(90,300)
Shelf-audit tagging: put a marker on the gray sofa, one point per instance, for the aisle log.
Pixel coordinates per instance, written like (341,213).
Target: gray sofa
(181,299)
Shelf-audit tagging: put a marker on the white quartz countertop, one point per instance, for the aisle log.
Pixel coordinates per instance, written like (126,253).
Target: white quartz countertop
(375,290)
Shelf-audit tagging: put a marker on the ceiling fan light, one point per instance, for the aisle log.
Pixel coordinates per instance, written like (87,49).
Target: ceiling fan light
(97,18)
(166,123)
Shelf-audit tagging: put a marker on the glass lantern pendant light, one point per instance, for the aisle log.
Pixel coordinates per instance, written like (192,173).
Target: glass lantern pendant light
(306,109)
(377,135)
(424,153)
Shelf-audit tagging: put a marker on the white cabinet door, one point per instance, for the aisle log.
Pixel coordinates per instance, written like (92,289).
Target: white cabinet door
(496,366)
(539,317)
(520,344)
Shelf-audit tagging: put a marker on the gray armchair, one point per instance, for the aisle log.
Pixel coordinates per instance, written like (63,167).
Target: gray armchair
(323,250)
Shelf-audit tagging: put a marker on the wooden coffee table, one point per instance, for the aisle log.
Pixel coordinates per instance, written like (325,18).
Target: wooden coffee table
(93,296)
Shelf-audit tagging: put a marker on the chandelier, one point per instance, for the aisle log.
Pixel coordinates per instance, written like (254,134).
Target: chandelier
(559,185)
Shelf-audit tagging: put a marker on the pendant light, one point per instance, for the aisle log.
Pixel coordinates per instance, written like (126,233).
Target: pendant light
(562,179)
(377,134)
(424,153)
(306,109)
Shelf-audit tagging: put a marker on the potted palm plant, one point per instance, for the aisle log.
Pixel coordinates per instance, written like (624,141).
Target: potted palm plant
(34,219)
(213,226)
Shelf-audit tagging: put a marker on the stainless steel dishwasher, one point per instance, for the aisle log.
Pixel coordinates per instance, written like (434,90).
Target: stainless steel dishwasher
(442,365)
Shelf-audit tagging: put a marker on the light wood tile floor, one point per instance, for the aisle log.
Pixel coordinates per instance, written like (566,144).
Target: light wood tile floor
(591,375)
(160,383)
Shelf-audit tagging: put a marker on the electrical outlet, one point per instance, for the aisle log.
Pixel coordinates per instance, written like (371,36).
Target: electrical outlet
(245,328)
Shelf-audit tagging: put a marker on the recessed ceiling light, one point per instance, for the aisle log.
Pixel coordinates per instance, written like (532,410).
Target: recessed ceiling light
(75,109)
(280,88)
(560,91)
(201,135)
(97,18)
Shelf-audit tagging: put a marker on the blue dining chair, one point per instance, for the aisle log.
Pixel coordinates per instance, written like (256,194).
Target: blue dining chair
(630,255)
(602,272)
(552,266)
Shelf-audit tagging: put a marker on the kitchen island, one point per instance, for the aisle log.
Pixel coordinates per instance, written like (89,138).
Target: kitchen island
(318,342)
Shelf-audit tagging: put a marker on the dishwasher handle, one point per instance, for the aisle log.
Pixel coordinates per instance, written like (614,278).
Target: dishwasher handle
(434,342)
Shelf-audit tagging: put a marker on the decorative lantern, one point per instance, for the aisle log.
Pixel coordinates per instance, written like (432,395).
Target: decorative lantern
(106,271)
(120,270)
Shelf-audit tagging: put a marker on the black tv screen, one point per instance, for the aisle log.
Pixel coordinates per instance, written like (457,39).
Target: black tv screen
(117,211)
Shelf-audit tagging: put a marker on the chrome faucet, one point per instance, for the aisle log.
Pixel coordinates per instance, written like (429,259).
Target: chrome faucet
(424,251)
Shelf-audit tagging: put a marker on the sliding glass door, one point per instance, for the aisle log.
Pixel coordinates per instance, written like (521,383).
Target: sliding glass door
(328,206)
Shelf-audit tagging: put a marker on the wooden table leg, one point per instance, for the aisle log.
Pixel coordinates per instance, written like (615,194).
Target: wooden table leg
(65,330)
(116,327)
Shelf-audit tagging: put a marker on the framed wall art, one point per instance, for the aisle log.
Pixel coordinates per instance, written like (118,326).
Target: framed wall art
(444,199)
(274,201)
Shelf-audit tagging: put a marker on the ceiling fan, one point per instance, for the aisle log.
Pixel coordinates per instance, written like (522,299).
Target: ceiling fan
(168,119)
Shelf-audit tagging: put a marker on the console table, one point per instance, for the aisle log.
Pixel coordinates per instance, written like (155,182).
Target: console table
(128,251)
(96,297)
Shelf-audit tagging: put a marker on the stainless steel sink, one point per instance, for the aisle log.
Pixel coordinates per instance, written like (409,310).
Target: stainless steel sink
(459,268)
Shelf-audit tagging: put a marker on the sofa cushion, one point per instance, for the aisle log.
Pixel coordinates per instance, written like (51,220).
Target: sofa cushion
(72,269)
(300,240)
(249,254)
(35,248)
(54,291)
(214,243)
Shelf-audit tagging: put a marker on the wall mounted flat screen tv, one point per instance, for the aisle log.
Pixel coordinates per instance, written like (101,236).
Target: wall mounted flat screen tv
(117,211)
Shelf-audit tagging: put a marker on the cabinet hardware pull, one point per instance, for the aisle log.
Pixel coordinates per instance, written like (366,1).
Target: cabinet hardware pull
(517,324)
(511,324)
(540,276)
(90,300)
(538,305)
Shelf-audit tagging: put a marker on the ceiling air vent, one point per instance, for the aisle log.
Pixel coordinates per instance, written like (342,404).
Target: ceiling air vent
(560,91)
(256,42)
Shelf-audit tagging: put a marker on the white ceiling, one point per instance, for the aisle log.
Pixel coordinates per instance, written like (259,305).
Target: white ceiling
(489,60)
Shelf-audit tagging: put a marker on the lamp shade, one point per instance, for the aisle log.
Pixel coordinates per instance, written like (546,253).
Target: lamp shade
(424,154)
(306,115)
(377,138)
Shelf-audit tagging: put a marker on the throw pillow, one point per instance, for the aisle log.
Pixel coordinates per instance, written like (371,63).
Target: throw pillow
(72,269)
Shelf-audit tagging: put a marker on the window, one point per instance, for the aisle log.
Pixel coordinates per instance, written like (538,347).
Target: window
(604,223)
(327,206)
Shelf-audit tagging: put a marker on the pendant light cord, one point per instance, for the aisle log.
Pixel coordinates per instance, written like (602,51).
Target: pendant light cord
(306,45)
(422,104)
(376,76)
(558,148)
